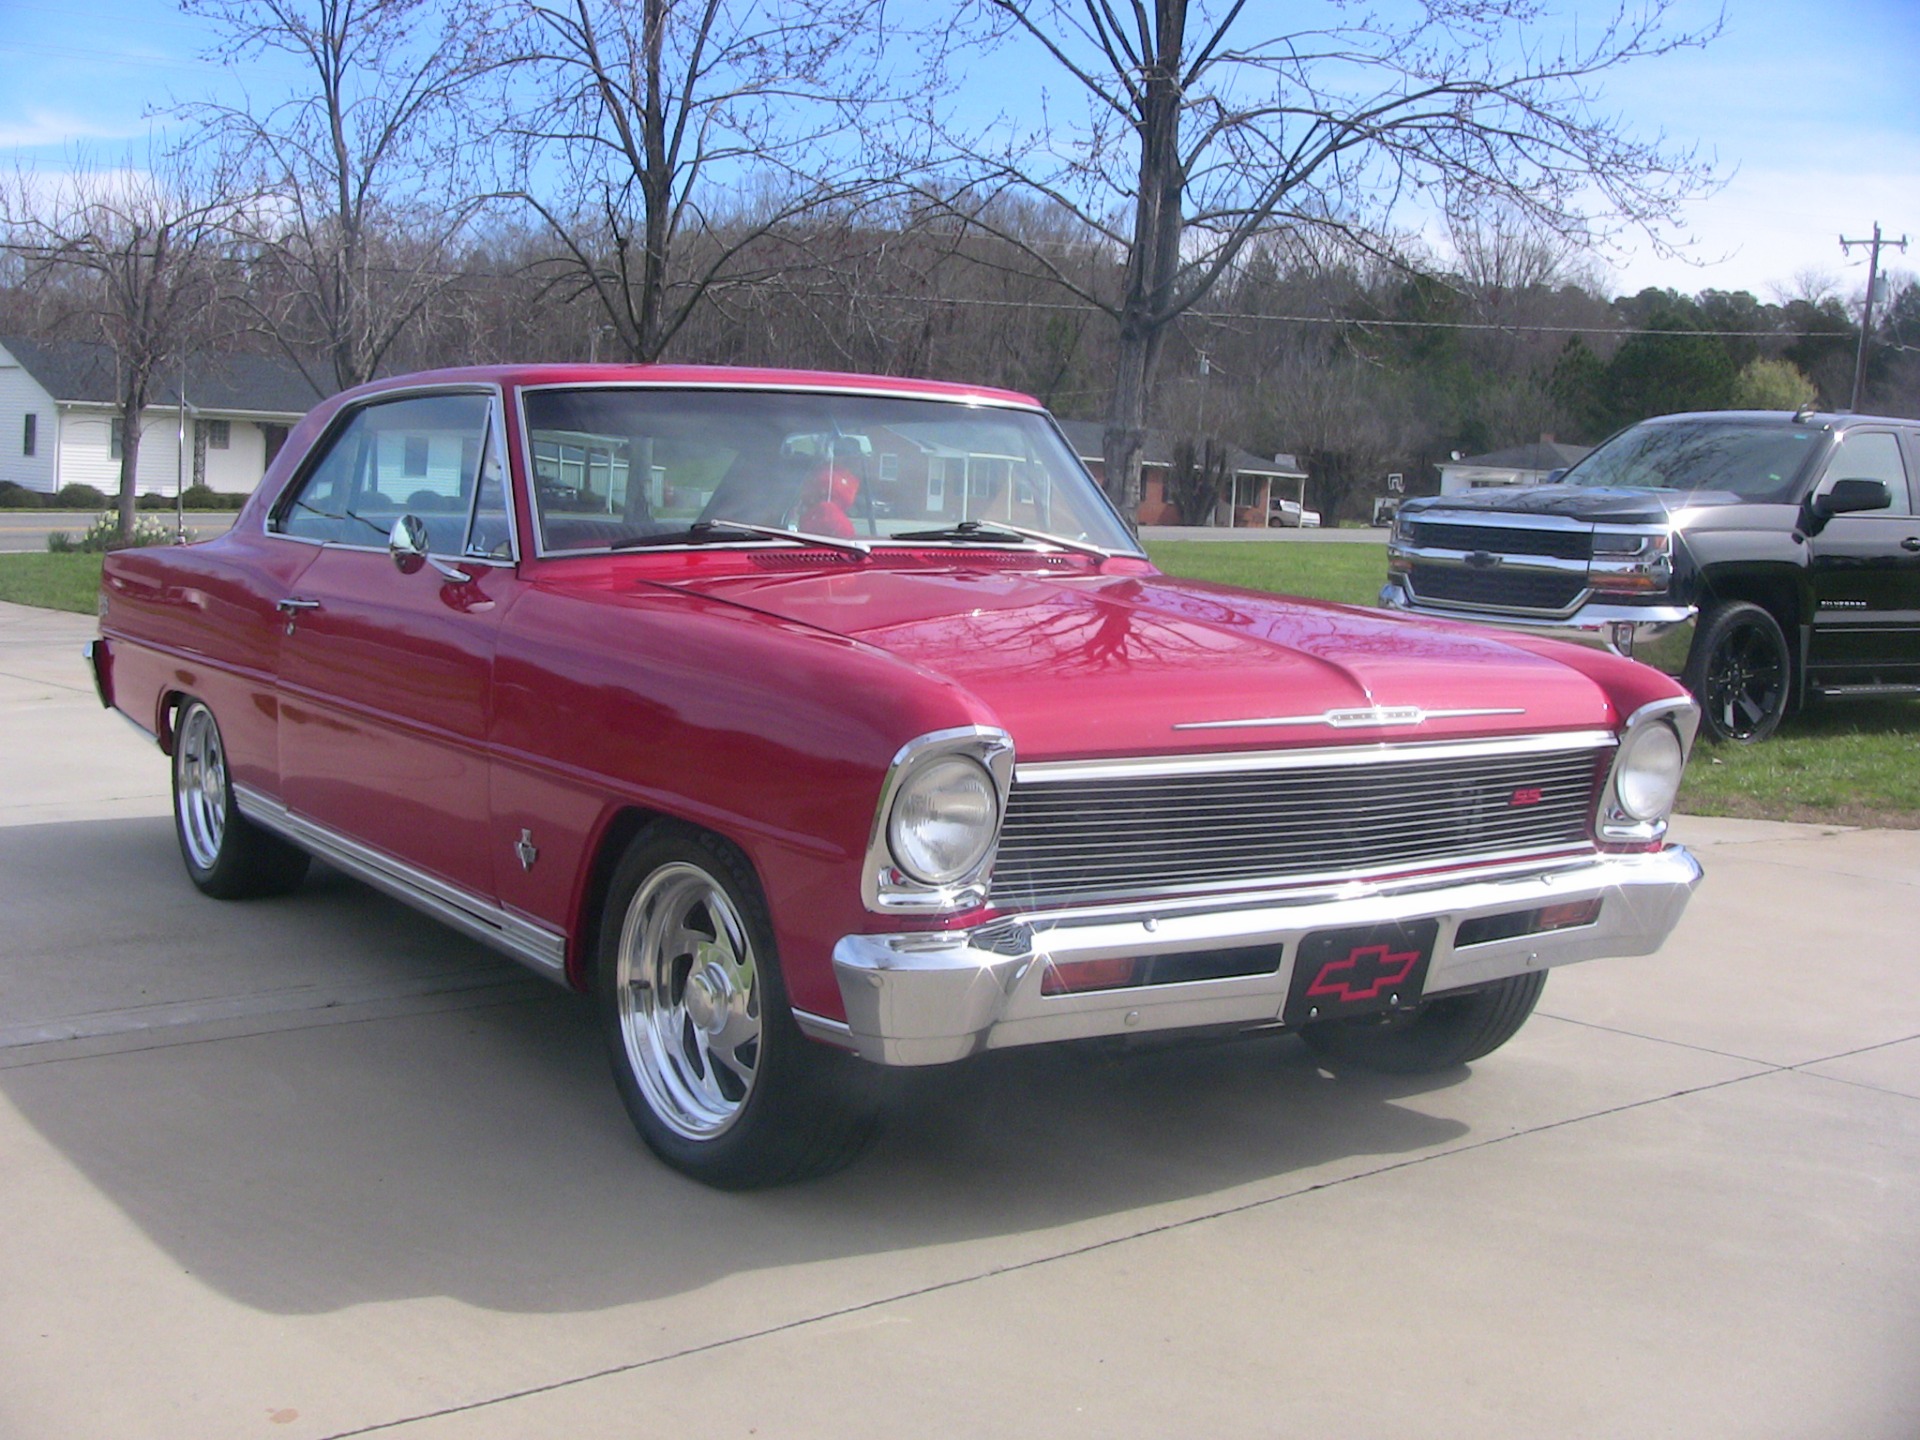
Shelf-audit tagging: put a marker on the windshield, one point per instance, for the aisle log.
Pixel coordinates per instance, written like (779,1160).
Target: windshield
(627,468)
(1751,459)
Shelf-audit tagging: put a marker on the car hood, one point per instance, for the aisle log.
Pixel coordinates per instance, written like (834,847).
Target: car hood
(1573,502)
(1089,665)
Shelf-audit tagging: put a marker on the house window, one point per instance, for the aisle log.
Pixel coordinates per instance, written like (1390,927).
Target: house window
(30,435)
(219,434)
(415,461)
(116,438)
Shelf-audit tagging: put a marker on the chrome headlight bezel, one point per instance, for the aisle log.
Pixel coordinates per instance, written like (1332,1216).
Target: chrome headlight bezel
(1648,764)
(890,881)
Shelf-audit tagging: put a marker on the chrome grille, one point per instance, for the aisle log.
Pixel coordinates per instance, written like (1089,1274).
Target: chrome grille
(1069,840)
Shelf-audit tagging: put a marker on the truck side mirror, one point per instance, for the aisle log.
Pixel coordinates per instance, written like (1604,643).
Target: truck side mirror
(1843,497)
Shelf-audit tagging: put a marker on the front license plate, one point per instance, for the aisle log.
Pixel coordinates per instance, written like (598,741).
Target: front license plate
(1363,971)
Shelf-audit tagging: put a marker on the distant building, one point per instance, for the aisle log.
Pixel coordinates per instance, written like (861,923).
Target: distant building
(1520,465)
(59,423)
(1259,492)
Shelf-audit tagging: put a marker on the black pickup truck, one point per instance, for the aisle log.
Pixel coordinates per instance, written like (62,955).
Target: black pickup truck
(1763,558)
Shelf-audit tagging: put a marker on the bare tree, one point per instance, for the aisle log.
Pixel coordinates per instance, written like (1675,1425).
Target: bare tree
(136,248)
(363,168)
(1205,128)
(649,109)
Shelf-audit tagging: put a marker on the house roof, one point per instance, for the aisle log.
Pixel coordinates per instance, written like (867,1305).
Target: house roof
(81,372)
(1088,438)
(1542,455)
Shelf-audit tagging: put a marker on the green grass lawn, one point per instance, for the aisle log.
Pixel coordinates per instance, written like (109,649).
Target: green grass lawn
(1851,764)
(53,582)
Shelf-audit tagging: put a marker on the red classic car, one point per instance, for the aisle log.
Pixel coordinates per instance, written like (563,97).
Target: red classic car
(813,720)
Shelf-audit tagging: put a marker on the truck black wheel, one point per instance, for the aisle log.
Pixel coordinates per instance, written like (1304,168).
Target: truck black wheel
(1447,1031)
(226,854)
(1741,672)
(714,1073)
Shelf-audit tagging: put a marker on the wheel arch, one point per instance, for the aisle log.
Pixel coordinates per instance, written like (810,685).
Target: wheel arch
(1779,590)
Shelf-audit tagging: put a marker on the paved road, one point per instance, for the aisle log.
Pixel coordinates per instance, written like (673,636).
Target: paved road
(22,530)
(313,1166)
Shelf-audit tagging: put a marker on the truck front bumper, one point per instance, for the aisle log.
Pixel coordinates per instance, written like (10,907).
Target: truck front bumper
(1656,635)
(926,998)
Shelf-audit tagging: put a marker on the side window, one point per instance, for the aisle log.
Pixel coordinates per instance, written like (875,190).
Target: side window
(419,455)
(1871,455)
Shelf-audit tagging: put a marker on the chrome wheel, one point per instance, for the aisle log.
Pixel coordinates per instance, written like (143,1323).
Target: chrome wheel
(200,786)
(687,988)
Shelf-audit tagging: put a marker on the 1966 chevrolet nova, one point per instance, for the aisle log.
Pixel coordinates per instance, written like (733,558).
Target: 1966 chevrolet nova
(813,722)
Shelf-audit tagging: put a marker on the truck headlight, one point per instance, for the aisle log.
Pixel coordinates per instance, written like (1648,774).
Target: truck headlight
(944,819)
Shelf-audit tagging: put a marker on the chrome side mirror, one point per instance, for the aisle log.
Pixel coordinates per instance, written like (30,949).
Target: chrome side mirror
(407,543)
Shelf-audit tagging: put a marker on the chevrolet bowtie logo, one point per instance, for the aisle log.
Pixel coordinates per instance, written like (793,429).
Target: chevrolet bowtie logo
(1482,559)
(1366,973)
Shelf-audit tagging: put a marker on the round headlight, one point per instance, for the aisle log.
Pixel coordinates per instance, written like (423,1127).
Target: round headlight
(1648,776)
(943,820)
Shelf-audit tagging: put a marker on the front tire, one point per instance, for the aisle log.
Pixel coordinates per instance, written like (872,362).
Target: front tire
(714,1073)
(1444,1032)
(227,856)
(1741,672)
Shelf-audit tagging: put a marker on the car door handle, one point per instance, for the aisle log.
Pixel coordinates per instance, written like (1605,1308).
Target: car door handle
(294,603)
(1912,542)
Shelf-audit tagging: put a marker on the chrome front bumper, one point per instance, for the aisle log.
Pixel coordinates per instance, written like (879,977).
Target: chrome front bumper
(1656,635)
(931,997)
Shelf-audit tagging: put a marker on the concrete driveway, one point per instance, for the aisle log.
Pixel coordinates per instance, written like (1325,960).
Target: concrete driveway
(314,1167)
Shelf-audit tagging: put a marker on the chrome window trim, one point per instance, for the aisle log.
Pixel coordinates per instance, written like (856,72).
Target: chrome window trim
(1168,766)
(540,949)
(883,886)
(496,396)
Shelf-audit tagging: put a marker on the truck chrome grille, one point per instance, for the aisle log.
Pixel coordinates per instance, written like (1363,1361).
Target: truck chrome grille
(1068,841)
(1502,586)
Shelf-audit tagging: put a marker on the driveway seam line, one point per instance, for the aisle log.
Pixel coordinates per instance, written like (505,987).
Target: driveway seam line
(1034,1263)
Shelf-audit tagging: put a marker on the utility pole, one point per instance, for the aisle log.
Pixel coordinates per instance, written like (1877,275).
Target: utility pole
(1873,280)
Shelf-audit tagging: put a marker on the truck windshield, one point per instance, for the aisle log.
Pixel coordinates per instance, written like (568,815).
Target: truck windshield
(628,467)
(1752,459)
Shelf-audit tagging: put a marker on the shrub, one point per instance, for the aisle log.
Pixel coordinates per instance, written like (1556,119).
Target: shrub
(104,534)
(203,497)
(153,500)
(18,497)
(79,497)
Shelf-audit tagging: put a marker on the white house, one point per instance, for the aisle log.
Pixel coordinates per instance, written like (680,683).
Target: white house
(58,424)
(1520,465)
(1257,490)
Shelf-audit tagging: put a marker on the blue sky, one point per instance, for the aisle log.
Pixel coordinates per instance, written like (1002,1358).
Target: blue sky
(1811,110)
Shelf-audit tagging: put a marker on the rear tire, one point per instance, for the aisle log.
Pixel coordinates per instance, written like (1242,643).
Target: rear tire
(1741,672)
(227,856)
(1447,1031)
(714,1073)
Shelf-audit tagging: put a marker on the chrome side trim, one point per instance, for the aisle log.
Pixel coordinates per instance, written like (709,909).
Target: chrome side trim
(1163,766)
(541,950)
(932,997)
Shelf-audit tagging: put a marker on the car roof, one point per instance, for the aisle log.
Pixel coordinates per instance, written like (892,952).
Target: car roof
(1818,419)
(718,377)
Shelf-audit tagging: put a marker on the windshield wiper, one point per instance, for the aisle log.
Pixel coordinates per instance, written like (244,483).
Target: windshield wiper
(703,532)
(973,532)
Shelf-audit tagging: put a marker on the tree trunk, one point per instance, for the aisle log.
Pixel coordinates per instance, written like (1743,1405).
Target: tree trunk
(130,408)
